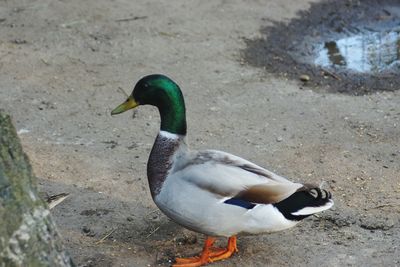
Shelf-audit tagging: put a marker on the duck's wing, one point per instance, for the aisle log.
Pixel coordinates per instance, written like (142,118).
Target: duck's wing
(230,159)
(229,176)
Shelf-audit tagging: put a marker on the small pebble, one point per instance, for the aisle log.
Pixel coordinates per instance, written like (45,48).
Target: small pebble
(304,78)
(279,139)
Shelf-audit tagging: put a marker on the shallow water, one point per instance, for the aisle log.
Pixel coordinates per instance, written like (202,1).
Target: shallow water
(370,52)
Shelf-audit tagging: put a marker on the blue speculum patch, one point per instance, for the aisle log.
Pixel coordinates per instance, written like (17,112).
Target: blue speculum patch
(240,202)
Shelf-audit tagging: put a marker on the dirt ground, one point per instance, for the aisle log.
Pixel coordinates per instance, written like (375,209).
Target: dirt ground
(63,64)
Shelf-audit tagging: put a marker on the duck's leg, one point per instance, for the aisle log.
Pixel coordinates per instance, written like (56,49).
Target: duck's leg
(209,254)
(200,260)
(227,252)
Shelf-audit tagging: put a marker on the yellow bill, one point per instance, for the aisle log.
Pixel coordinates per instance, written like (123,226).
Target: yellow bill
(130,103)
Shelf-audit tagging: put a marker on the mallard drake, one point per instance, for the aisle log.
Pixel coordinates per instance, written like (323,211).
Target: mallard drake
(214,192)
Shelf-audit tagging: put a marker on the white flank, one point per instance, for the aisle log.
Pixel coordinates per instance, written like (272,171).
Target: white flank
(169,135)
(312,210)
(266,219)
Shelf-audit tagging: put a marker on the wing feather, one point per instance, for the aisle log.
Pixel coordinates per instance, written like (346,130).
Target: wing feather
(227,175)
(268,193)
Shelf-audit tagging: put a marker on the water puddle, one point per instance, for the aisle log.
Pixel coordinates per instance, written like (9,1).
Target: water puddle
(340,46)
(372,52)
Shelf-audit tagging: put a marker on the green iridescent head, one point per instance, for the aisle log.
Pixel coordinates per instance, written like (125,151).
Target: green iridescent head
(160,91)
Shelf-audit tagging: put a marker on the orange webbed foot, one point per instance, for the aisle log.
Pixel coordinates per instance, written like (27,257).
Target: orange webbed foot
(228,251)
(209,254)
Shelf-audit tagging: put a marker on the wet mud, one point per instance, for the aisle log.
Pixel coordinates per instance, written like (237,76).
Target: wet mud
(348,47)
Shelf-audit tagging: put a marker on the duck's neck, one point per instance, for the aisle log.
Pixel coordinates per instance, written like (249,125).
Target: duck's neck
(170,103)
(171,106)
(161,159)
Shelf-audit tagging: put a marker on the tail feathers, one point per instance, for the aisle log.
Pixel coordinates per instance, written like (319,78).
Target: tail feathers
(305,202)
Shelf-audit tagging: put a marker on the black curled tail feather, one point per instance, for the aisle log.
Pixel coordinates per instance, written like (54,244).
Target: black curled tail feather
(320,195)
(304,202)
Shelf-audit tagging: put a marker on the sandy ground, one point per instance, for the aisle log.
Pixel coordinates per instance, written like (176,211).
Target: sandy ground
(62,64)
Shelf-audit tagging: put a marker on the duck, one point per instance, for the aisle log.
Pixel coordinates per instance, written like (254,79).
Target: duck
(213,192)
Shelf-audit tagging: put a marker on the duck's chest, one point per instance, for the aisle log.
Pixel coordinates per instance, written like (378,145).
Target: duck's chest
(161,160)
